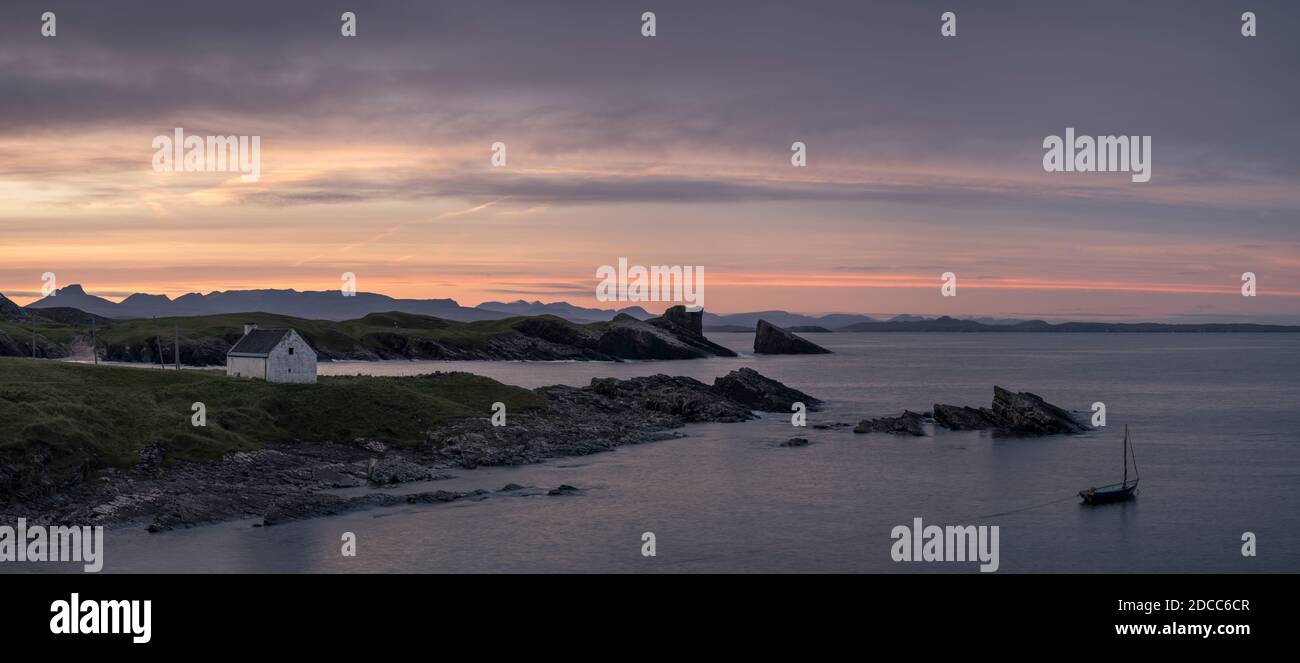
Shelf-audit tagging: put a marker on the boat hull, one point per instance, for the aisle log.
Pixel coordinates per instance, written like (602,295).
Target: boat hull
(1094,496)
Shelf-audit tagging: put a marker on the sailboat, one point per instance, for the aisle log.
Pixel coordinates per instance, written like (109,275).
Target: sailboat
(1115,492)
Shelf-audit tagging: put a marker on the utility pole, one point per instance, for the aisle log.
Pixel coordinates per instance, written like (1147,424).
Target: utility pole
(94,344)
(33,338)
(178,345)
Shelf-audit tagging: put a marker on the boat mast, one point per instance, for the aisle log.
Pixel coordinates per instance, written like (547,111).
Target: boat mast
(1125,484)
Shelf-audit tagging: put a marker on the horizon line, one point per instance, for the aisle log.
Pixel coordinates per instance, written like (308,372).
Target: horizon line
(1102,318)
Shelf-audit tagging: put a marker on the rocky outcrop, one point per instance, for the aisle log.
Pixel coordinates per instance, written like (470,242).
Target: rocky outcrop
(10,347)
(558,331)
(909,423)
(747,386)
(960,417)
(688,327)
(10,311)
(294,480)
(629,338)
(683,397)
(772,340)
(1024,412)
(691,322)
(1013,412)
(200,352)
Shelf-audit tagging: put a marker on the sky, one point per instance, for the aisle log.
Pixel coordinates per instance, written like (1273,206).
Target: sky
(924,153)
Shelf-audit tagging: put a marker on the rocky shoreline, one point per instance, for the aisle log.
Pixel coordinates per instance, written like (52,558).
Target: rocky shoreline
(290,481)
(1013,413)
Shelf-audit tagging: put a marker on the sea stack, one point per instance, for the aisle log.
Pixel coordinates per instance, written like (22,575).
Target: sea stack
(686,319)
(772,340)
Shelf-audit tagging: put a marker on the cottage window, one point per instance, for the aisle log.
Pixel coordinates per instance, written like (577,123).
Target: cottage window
(290,350)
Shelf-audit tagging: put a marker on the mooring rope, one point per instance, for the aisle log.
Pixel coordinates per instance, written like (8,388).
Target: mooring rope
(1027,508)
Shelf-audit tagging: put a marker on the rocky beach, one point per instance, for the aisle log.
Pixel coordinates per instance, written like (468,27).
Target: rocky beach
(289,480)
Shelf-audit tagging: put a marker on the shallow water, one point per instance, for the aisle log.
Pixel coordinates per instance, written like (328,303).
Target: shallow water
(1214,421)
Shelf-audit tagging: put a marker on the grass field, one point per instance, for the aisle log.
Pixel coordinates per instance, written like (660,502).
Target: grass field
(106,414)
(373,332)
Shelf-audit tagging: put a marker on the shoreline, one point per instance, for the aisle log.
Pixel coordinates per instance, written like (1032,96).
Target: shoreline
(283,481)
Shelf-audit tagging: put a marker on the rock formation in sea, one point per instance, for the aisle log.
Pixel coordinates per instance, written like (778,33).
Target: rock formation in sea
(1013,412)
(688,327)
(909,423)
(751,388)
(961,417)
(772,340)
(629,338)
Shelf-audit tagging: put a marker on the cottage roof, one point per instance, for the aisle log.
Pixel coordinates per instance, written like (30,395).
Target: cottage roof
(258,343)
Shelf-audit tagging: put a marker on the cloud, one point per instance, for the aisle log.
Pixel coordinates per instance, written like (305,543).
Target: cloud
(856,81)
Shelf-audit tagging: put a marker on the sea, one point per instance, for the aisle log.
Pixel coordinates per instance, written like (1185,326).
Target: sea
(1214,420)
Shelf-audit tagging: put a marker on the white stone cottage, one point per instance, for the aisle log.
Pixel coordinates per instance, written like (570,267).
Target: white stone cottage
(274,355)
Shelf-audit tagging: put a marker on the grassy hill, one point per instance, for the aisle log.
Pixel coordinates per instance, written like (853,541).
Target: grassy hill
(56,330)
(76,415)
(205,339)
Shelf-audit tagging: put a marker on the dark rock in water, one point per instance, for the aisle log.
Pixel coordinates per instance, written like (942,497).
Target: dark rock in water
(960,417)
(689,321)
(685,397)
(1022,413)
(629,338)
(688,328)
(564,489)
(909,423)
(1028,413)
(511,487)
(795,442)
(749,387)
(772,340)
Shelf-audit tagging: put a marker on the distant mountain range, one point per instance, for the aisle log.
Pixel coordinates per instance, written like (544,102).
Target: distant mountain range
(563,310)
(332,305)
(316,305)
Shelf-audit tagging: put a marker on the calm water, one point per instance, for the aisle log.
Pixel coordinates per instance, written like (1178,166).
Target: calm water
(1215,422)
